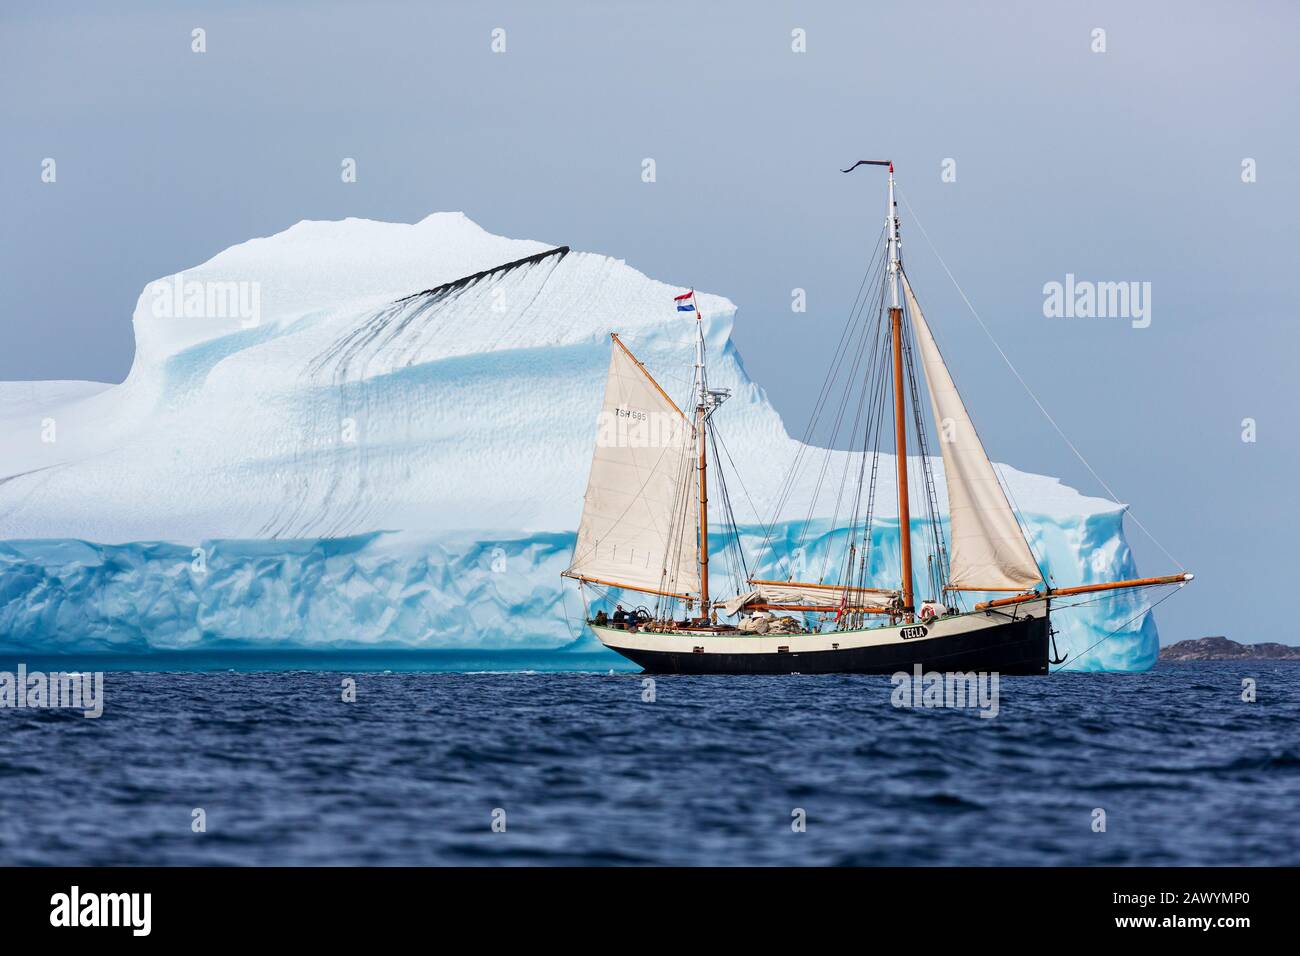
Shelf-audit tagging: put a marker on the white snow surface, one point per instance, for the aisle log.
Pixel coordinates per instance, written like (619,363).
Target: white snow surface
(478,413)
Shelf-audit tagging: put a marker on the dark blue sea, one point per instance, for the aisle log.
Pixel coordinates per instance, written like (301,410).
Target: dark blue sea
(712,771)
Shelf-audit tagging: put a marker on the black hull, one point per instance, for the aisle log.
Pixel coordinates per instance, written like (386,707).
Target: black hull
(1016,647)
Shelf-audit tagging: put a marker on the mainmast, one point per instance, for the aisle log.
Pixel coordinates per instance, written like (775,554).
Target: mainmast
(900,417)
(900,406)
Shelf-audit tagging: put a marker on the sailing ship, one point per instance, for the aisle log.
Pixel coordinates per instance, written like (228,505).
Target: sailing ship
(645,528)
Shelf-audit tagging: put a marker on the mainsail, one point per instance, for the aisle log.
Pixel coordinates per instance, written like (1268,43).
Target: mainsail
(640,513)
(989,551)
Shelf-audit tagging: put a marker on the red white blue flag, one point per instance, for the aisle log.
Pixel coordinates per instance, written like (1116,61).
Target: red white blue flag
(685,301)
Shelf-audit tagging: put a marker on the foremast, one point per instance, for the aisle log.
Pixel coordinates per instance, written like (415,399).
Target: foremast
(706,402)
(701,419)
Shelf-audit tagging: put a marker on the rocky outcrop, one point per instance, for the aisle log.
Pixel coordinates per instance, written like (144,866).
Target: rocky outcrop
(1223,649)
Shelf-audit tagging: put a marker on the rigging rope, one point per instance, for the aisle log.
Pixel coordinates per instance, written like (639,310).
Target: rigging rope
(832,374)
(870,443)
(829,450)
(564,604)
(736,557)
(1030,391)
(848,458)
(1146,610)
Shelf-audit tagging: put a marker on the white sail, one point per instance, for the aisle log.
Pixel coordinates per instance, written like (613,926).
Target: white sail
(989,551)
(640,515)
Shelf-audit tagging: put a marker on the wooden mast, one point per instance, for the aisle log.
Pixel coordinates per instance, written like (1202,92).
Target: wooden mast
(900,442)
(701,414)
(900,416)
(704,522)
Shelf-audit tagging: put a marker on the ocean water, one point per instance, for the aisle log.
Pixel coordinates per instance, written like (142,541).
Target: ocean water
(588,772)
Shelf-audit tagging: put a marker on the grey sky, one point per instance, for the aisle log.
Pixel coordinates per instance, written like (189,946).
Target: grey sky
(1123,165)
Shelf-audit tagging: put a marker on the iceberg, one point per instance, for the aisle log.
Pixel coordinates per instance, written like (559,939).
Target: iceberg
(309,452)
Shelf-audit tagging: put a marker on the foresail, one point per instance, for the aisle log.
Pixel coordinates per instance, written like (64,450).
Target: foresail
(988,551)
(640,513)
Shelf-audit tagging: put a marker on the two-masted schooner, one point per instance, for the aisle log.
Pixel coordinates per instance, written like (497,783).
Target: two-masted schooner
(645,525)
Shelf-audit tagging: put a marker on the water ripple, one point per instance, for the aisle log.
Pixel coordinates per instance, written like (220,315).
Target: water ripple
(714,770)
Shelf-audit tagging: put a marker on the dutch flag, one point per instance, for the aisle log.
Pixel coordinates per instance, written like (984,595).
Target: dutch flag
(684,303)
